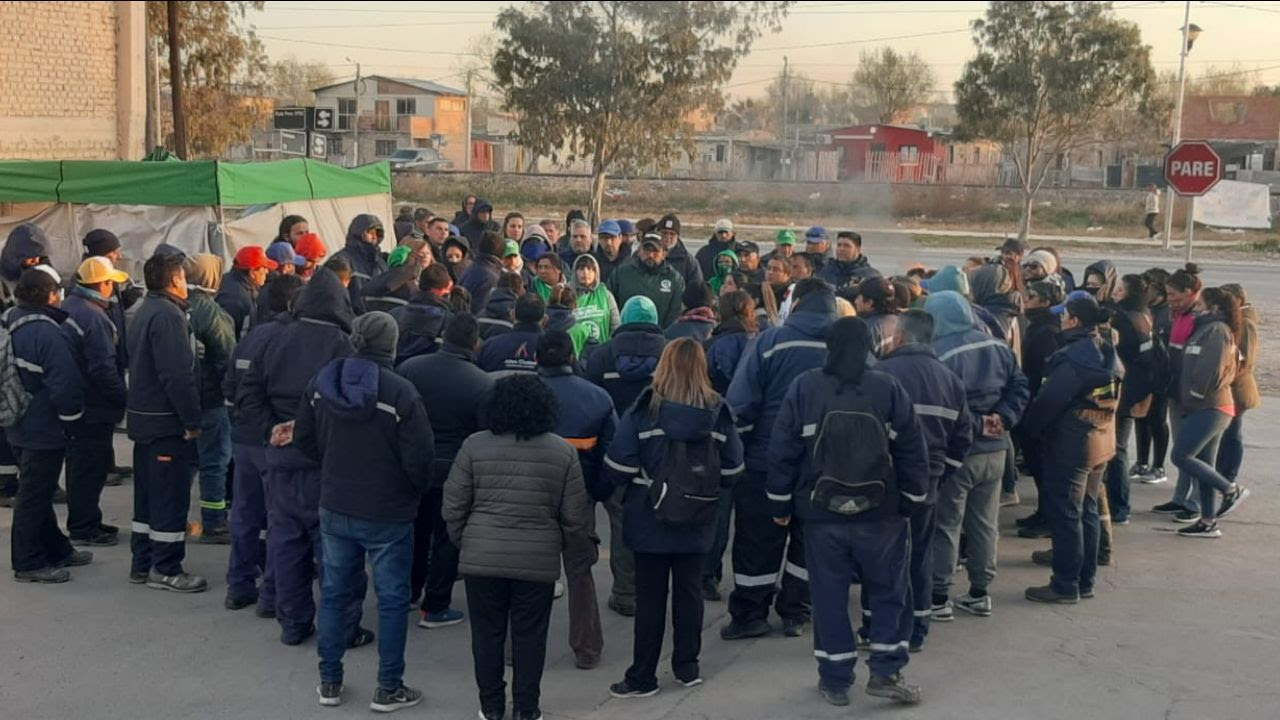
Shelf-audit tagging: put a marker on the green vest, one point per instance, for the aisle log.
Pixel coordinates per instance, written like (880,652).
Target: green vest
(593,313)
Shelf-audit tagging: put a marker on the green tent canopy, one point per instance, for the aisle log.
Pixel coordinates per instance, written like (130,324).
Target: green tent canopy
(206,183)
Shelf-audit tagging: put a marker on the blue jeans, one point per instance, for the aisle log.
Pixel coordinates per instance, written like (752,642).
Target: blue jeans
(1071,503)
(214,447)
(389,546)
(1117,478)
(1195,448)
(1231,448)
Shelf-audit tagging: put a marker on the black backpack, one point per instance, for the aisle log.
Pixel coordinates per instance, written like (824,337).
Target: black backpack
(849,449)
(687,491)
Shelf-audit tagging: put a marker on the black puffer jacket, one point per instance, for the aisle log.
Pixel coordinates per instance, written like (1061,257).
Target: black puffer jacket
(453,389)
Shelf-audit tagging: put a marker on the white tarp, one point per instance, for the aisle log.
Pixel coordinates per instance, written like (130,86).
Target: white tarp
(329,218)
(1232,204)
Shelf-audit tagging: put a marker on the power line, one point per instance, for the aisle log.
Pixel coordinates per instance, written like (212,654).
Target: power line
(862,41)
(369,47)
(1259,8)
(396,25)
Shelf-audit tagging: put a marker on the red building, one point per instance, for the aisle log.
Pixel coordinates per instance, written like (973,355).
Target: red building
(890,153)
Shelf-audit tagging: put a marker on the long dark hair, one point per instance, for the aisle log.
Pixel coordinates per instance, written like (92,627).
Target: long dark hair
(1227,305)
(738,305)
(1135,293)
(880,293)
(1186,279)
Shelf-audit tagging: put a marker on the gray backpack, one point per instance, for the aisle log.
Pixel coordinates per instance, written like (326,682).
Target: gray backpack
(14,397)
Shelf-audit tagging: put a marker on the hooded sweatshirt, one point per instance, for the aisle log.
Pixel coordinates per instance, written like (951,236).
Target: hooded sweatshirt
(473,228)
(368,430)
(992,381)
(461,217)
(952,278)
(624,366)
(421,324)
(277,377)
(597,309)
(25,241)
(496,317)
(993,291)
(214,329)
(1110,278)
(718,274)
(778,356)
(458,270)
(392,289)
(841,273)
(365,259)
(707,254)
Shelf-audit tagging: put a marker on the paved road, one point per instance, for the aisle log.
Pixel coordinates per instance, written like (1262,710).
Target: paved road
(1180,629)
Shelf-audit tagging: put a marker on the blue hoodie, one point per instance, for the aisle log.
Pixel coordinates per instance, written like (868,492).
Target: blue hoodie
(1074,412)
(954,279)
(365,259)
(586,421)
(93,338)
(939,400)
(369,432)
(624,366)
(992,381)
(770,363)
(47,369)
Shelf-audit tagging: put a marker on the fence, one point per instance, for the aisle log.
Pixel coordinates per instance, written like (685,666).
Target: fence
(887,167)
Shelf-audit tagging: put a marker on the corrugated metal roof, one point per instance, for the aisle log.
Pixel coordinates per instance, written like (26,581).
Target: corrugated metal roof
(424,85)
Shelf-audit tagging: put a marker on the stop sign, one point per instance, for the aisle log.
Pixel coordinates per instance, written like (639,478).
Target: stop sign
(1192,167)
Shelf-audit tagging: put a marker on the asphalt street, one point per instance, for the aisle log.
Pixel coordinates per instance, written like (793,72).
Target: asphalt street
(1180,629)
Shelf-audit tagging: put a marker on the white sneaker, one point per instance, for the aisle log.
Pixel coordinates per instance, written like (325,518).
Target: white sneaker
(982,607)
(559,591)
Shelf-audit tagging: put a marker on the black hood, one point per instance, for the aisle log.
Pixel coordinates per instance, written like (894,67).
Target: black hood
(26,241)
(325,299)
(475,211)
(398,282)
(1110,278)
(502,302)
(849,345)
(460,242)
(360,225)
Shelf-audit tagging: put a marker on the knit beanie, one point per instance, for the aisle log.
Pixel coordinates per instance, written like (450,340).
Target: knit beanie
(375,332)
(639,309)
(1044,259)
(100,242)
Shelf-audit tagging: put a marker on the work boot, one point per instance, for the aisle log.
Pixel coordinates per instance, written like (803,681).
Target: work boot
(1042,557)
(1046,594)
(180,583)
(77,558)
(215,536)
(741,631)
(894,688)
(711,590)
(45,575)
(793,626)
(839,698)
(95,539)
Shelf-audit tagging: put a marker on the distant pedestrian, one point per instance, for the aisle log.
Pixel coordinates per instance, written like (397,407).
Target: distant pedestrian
(1151,205)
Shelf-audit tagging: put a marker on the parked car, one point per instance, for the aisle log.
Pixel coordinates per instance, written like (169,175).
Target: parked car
(419,160)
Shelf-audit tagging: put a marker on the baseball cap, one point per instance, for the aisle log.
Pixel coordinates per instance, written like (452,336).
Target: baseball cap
(815,234)
(252,257)
(724,224)
(609,227)
(786,237)
(282,252)
(95,270)
(626,227)
(651,238)
(746,246)
(311,247)
(1076,296)
(510,248)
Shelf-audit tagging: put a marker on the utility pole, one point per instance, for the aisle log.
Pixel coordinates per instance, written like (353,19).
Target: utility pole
(153,95)
(466,155)
(356,119)
(1177,121)
(175,82)
(783,135)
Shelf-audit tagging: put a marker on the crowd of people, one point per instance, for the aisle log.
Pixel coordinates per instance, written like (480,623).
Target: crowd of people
(456,407)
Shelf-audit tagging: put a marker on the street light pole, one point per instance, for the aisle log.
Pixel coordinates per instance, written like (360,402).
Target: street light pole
(1177,119)
(355,119)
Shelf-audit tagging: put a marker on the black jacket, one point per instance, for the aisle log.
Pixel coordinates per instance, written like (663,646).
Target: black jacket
(840,273)
(586,421)
(47,370)
(272,388)
(367,429)
(624,366)
(1073,416)
(421,324)
(164,374)
(390,290)
(480,279)
(679,258)
(496,317)
(939,400)
(93,341)
(706,255)
(724,351)
(243,431)
(238,296)
(473,228)
(515,350)
(1042,340)
(607,266)
(365,259)
(454,389)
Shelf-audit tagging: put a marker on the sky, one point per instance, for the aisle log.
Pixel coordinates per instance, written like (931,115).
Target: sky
(821,40)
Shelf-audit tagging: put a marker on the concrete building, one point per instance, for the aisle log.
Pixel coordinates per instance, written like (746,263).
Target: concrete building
(396,113)
(72,80)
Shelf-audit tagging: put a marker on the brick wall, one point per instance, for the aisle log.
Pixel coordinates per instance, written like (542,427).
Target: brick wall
(59,89)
